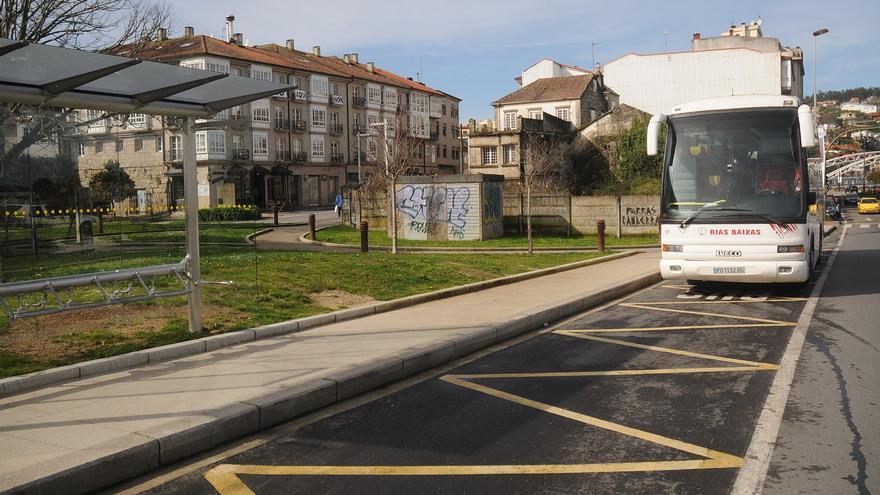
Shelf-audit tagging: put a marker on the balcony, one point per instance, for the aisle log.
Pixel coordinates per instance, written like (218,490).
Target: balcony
(282,124)
(336,129)
(298,156)
(298,126)
(359,102)
(282,94)
(336,101)
(337,158)
(238,121)
(358,129)
(282,155)
(173,122)
(300,94)
(241,154)
(435,135)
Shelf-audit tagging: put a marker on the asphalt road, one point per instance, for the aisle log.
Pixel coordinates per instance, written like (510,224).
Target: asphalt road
(658,393)
(829,441)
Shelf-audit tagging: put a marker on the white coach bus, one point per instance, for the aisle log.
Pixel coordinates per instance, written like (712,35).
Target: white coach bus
(738,202)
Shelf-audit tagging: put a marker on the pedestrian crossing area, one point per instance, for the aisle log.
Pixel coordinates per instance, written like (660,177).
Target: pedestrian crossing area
(862,226)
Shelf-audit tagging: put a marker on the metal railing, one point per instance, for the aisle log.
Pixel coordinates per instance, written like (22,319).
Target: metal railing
(282,124)
(241,154)
(56,294)
(336,100)
(299,156)
(298,125)
(337,158)
(336,129)
(282,155)
(358,102)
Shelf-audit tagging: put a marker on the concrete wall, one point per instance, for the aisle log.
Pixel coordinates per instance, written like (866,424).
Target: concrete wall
(569,215)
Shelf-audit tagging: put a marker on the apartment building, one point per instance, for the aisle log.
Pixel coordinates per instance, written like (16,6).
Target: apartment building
(297,147)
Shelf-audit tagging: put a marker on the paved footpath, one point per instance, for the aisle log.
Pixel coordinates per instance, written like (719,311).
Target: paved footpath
(92,432)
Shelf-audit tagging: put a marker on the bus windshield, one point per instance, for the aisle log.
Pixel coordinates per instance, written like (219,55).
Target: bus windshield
(740,166)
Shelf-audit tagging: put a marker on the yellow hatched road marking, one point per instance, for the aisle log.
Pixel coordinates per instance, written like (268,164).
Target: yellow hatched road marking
(225,477)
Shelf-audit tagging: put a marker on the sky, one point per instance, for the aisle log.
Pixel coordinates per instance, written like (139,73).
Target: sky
(474,49)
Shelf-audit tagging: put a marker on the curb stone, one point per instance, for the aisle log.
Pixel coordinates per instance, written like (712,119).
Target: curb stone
(30,381)
(247,417)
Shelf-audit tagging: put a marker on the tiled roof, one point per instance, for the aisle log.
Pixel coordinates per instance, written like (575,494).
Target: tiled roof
(174,49)
(549,89)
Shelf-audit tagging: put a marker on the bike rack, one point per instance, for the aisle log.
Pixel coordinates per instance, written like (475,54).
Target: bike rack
(107,283)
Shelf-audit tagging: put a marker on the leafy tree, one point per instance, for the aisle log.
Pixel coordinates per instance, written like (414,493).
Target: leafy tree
(633,161)
(111,184)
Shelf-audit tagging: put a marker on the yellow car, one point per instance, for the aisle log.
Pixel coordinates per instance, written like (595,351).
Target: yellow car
(869,205)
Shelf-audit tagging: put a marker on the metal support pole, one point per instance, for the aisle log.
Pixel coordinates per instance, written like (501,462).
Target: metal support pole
(191,212)
(312,226)
(600,235)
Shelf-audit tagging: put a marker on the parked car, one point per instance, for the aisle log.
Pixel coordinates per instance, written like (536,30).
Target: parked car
(851,199)
(869,205)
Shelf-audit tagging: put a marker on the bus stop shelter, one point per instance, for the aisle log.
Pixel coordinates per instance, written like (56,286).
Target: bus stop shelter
(49,76)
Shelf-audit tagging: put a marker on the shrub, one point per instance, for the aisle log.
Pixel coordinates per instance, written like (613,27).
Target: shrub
(230,213)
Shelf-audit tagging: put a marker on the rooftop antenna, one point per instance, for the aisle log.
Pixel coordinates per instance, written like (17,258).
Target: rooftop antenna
(420,69)
(593,50)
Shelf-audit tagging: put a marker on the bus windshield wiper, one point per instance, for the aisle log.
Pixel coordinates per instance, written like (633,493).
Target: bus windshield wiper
(695,214)
(752,212)
(745,210)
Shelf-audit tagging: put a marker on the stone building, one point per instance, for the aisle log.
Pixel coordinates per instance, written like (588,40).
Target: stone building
(295,148)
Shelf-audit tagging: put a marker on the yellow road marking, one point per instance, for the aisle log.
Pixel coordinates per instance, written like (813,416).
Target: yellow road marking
(225,478)
(669,350)
(682,327)
(633,372)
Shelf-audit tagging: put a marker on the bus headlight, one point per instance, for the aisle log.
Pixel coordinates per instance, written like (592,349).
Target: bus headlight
(672,248)
(798,248)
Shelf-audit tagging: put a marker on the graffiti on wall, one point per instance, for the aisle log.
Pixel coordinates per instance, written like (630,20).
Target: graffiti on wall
(639,216)
(492,202)
(435,211)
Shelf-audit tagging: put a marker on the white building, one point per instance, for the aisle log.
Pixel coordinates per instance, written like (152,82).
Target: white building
(548,68)
(740,61)
(850,106)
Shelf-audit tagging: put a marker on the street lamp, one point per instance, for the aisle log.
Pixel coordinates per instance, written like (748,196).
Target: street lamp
(384,126)
(816,34)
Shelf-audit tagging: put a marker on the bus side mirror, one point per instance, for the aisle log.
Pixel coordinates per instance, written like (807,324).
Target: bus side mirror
(654,133)
(808,126)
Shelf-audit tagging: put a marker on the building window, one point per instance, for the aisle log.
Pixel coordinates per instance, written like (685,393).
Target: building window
(509,153)
(535,114)
(490,155)
(138,144)
(261,145)
(509,120)
(319,117)
(260,114)
(261,73)
(120,145)
(319,86)
(374,95)
(213,142)
(355,91)
(82,149)
(99,146)
(318,147)
(562,113)
(137,121)
(334,149)
(176,149)
(444,129)
(444,151)
(160,144)
(443,108)
(334,89)
(295,82)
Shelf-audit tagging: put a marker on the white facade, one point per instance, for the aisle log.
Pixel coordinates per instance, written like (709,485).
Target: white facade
(549,68)
(564,109)
(657,82)
(858,107)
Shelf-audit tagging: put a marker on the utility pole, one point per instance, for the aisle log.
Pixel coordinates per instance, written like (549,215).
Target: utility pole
(816,34)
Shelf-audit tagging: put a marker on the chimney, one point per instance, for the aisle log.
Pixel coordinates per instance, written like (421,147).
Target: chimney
(696,36)
(316,50)
(354,58)
(409,78)
(238,39)
(230,36)
(161,34)
(346,58)
(371,66)
(289,45)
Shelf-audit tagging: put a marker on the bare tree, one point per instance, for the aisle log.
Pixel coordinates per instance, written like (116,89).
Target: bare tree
(544,160)
(119,26)
(392,147)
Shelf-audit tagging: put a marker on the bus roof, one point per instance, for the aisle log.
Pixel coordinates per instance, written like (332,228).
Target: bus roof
(736,102)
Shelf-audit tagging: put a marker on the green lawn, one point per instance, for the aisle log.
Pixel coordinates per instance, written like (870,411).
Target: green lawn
(268,286)
(342,234)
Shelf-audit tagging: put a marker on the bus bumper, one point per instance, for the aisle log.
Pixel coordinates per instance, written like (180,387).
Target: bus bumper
(786,271)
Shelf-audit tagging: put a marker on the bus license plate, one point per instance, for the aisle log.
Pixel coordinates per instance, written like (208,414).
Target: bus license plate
(726,270)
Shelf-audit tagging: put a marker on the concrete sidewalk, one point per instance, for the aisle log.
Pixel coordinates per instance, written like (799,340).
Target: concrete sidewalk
(89,433)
